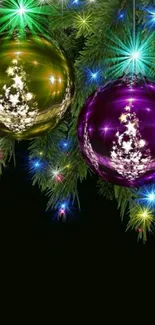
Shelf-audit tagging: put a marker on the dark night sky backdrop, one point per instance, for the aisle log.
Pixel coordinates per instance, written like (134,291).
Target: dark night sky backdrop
(97,230)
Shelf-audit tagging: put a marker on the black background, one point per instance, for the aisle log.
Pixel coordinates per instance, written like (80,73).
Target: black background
(93,233)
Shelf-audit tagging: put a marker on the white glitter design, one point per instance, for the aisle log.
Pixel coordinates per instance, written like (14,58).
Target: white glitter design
(18,108)
(88,148)
(130,155)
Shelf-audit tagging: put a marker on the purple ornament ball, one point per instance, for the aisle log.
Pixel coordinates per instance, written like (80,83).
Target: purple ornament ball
(116,132)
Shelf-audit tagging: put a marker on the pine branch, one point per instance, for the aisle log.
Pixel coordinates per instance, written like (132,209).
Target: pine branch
(52,158)
(48,145)
(88,47)
(106,189)
(124,196)
(7,148)
(76,171)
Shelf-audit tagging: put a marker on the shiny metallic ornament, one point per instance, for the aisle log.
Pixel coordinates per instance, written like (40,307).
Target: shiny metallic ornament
(116,132)
(36,86)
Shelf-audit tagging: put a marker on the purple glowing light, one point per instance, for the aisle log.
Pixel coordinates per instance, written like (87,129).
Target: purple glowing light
(106,129)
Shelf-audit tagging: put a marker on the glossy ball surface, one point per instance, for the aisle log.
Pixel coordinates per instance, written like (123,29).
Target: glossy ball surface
(36,86)
(116,132)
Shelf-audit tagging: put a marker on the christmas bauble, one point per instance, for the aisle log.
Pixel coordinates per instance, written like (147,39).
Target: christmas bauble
(35,86)
(116,132)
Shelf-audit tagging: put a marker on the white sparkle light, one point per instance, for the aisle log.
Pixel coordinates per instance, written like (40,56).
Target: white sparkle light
(10,71)
(52,79)
(29,96)
(21,11)
(135,55)
(151,196)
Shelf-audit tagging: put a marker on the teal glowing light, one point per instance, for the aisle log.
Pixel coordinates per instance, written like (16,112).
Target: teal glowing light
(135,55)
(131,56)
(19,14)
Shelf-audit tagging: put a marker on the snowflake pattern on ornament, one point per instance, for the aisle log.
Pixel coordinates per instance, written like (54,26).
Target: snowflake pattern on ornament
(88,148)
(130,155)
(18,108)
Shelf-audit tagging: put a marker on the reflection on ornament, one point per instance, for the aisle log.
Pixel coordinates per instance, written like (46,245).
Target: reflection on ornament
(52,79)
(35,86)
(116,132)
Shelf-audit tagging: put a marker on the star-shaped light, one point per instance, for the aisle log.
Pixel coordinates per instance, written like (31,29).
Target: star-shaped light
(10,71)
(142,143)
(128,108)
(150,17)
(127,146)
(14,99)
(131,56)
(83,23)
(131,127)
(22,10)
(18,82)
(52,79)
(21,14)
(29,96)
(146,195)
(123,117)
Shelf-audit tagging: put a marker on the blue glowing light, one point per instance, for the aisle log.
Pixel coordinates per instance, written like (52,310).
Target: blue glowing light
(75,2)
(150,17)
(121,15)
(93,76)
(65,144)
(151,197)
(36,164)
(147,195)
(63,205)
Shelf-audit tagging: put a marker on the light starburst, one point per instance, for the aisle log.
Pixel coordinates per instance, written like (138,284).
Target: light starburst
(150,17)
(83,22)
(142,220)
(146,195)
(17,15)
(131,57)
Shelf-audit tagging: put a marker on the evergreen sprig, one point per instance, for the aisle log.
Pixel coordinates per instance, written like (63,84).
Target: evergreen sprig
(87,49)
(7,152)
(84,32)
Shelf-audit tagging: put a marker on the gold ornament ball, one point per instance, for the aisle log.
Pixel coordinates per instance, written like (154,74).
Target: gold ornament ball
(36,86)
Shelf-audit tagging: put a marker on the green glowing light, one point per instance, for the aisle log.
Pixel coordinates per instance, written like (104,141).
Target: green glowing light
(17,15)
(22,10)
(132,57)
